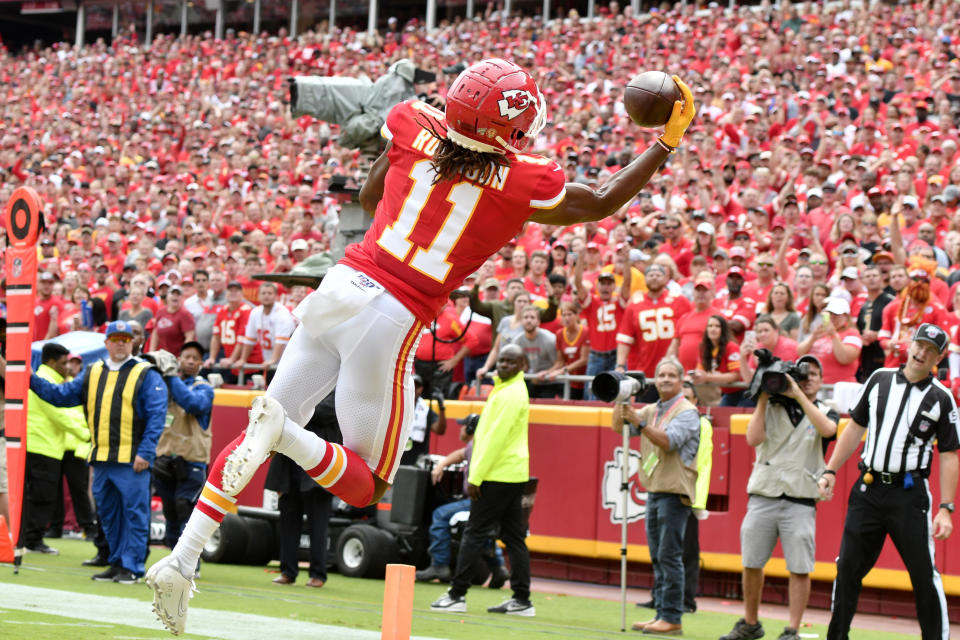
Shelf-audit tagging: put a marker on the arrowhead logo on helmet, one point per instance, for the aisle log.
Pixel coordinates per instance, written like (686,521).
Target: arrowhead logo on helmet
(514,102)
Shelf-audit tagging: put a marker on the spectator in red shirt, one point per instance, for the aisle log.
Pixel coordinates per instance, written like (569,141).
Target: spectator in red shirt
(573,349)
(686,344)
(767,336)
(677,246)
(103,288)
(603,313)
(536,280)
(47,309)
(836,344)
(174,325)
(719,363)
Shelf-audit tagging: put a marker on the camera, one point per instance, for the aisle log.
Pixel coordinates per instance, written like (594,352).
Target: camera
(614,386)
(771,375)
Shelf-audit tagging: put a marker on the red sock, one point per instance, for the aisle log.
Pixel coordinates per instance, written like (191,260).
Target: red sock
(344,474)
(213,501)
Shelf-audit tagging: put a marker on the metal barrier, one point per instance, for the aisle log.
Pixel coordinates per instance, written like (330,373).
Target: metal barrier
(826,391)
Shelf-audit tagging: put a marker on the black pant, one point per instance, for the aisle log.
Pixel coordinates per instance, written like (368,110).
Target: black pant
(42,475)
(499,506)
(316,504)
(873,512)
(77,472)
(691,561)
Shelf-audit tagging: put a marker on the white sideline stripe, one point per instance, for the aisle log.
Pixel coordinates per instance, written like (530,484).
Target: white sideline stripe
(137,612)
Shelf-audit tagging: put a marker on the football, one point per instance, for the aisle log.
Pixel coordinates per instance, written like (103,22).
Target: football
(649,98)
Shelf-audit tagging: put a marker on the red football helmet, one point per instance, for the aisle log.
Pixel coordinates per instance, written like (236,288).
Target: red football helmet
(494,106)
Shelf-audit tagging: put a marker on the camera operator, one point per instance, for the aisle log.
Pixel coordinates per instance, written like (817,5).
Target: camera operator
(425,422)
(669,439)
(783,493)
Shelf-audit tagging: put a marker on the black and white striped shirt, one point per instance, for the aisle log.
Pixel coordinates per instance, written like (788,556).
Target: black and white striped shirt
(902,419)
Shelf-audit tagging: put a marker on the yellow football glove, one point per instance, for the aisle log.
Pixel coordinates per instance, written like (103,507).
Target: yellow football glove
(681,117)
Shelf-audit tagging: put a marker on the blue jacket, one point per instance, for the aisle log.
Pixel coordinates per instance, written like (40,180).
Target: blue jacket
(195,400)
(150,403)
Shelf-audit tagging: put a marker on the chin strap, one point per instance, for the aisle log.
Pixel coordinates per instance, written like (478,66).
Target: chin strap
(474,145)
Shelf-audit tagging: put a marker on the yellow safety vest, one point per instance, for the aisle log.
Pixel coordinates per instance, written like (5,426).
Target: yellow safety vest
(108,399)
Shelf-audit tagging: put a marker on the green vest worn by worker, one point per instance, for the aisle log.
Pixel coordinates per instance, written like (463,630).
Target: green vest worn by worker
(48,426)
(704,463)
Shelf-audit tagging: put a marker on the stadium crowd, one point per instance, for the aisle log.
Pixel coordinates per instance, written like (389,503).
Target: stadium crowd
(811,208)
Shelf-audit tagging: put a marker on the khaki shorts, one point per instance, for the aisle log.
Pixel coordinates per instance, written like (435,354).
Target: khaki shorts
(770,518)
(3,465)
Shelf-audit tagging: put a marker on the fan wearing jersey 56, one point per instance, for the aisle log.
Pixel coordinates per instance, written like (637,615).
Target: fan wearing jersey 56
(450,189)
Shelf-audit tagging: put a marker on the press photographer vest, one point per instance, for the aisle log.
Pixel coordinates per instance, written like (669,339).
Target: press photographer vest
(183,435)
(790,459)
(670,474)
(108,399)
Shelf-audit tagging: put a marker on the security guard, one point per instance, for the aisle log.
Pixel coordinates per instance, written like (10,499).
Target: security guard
(183,451)
(902,411)
(125,400)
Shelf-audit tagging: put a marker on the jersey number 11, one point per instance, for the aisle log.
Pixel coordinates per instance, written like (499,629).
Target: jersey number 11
(431,260)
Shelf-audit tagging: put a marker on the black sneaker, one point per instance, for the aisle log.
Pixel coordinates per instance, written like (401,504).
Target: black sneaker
(648,604)
(44,549)
(125,576)
(99,560)
(499,577)
(514,607)
(742,630)
(106,576)
(789,633)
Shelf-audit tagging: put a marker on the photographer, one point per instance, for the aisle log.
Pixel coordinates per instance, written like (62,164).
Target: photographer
(183,450)
(669,439)
(425,421)
(783,493)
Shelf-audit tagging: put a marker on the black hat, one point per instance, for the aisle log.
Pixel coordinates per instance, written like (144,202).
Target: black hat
(192,344)
(234,284)
(470,422)
(811,358)
(932,334)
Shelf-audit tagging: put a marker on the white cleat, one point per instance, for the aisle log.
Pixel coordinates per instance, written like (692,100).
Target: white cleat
(262,437)
(171,594)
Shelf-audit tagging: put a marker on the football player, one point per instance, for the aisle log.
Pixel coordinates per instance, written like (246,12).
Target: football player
(450,189)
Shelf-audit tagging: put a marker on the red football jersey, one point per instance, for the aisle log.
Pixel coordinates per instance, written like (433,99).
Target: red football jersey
(570,349)
(649,326)
(425,237)
(603,319)
(229,325)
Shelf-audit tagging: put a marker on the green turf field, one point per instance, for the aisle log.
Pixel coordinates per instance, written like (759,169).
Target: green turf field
(54,598)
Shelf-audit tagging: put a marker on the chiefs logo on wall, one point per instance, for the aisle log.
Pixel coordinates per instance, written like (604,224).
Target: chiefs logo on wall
(514,102)
(612,499)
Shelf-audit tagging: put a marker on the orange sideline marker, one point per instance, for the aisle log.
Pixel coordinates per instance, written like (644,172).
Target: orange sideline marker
(398,602)
(6,545)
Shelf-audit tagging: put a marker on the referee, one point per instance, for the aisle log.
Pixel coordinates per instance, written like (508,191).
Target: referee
(902,411)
